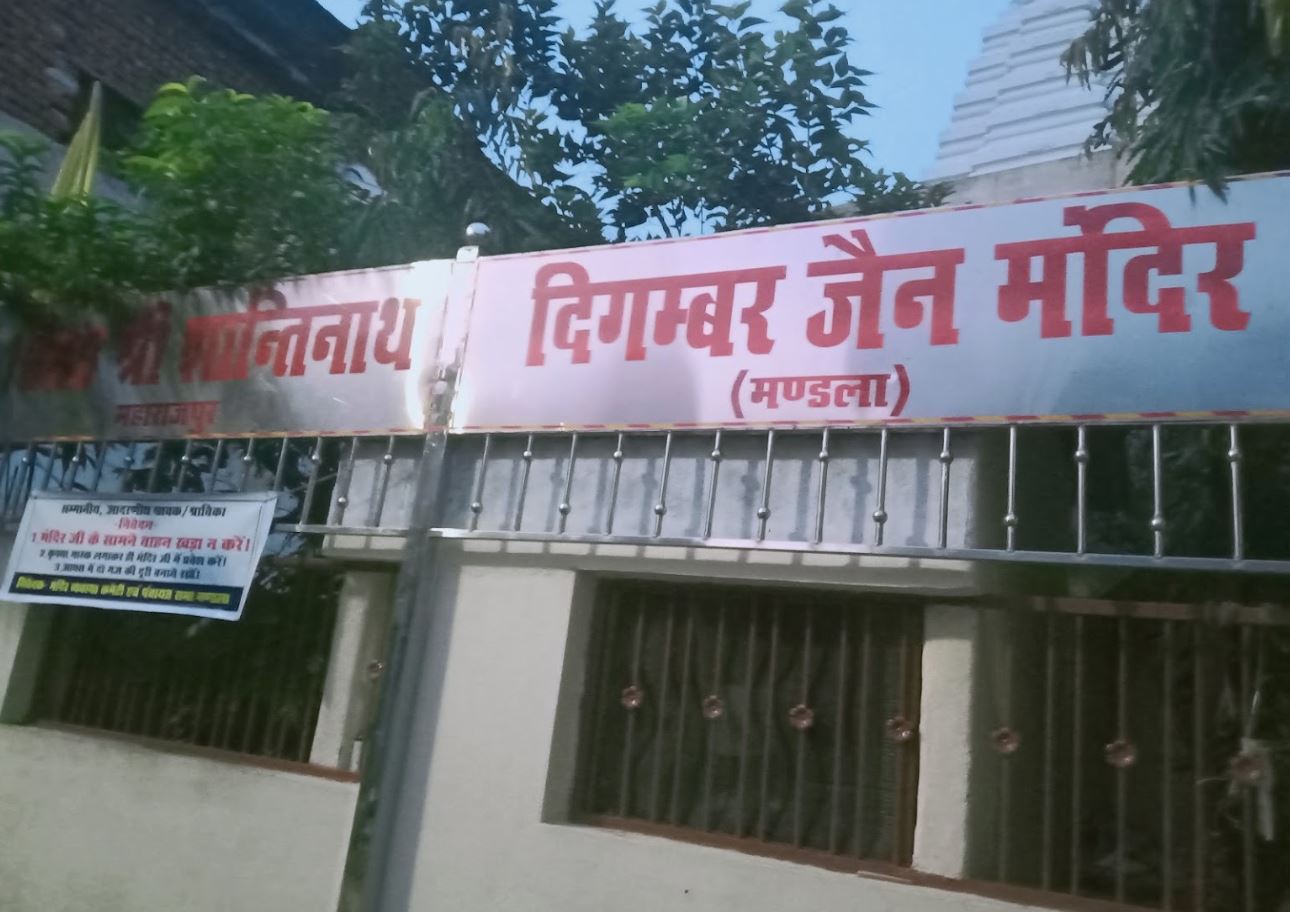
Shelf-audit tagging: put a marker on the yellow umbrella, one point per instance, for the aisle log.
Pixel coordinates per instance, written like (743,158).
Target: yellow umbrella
(75,178)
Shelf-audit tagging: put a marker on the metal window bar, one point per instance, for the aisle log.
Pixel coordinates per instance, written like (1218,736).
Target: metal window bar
(1078,511)
(738,712)
(697,497)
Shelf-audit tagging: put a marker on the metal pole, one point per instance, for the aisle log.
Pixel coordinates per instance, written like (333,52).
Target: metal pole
(412,688)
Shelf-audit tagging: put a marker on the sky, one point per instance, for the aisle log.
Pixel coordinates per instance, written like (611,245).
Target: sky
(919,51)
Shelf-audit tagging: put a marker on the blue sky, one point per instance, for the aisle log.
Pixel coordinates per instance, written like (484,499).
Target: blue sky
(919,51)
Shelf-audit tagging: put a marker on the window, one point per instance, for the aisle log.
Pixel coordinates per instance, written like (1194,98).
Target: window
(253,687)
(1129,753)
(1138,754)
(785,718)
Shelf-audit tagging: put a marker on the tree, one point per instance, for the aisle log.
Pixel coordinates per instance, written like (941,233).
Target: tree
(1196,89)
(62,256)
(220,188)
(241,188)
(704,118)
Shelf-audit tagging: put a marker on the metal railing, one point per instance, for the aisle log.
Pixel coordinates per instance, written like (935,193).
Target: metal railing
(328,485)
(1174,496)
(1197,497)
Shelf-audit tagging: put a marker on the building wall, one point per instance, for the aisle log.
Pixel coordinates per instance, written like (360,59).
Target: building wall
(491,753)
(97,823)
(134,46)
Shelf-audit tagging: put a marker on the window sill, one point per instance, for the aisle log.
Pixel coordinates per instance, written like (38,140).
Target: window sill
(867,869)
(179,748)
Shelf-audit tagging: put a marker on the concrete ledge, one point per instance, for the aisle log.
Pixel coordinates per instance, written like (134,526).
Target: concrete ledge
(104,824)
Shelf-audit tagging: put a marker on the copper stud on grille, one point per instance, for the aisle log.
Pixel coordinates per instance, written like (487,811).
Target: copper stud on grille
(900,730)
(801,717)
(713,708)
(632,697)
(1247,769)
(1121,754)
(1006,741)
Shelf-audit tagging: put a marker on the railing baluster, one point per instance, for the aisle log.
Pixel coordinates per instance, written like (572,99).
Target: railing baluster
(52,456)
(28,475)
(280,471)
(763,512)
(527,457)
(6,451)
(155,471)
(1081,489)
(822,486)
(1234,457)
(477,496)
(248,464)
(660,508)
(377,511)
(714,468)
(1157,493)
(1010,518)
(311,486)
(946,458)
(69,477)
(880,514)
(345,481)
(613,485)
(216,457)
(181,469)
(566,499)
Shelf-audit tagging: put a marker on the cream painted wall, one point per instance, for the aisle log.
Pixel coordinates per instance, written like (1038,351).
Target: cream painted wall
(90,824)
(492,752)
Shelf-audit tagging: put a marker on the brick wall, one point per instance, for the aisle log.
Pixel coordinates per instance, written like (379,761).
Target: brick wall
(133,46)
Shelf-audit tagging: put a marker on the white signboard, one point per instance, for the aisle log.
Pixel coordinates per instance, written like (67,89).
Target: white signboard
(1154,303)
(347,352)
(192,555)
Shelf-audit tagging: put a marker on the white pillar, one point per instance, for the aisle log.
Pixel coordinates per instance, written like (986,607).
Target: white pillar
(950,640)
(349,694)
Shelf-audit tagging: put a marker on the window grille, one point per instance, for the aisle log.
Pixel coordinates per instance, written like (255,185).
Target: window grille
(782,718)
(254,687)
(1139,754)
(1130,754)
